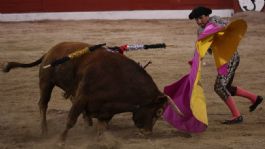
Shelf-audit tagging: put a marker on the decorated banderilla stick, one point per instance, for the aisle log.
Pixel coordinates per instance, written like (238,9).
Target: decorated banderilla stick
(133,47)
(149,62)
(74,55)
(120,49)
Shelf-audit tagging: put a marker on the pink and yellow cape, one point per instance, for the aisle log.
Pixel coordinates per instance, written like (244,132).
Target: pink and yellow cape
(187,92)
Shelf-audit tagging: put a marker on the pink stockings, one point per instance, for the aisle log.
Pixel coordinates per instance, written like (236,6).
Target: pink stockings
(244,93)
(232,107)
(255,100)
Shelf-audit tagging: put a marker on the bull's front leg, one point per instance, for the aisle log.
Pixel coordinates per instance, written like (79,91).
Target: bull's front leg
(87,118)
(77,108)
(101,127)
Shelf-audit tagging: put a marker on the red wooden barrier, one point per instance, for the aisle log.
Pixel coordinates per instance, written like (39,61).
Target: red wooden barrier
(17,6)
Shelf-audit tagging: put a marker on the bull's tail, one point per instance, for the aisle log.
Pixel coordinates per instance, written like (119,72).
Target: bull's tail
(11,65)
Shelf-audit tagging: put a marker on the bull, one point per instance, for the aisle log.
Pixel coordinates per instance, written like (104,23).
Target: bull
(101,83)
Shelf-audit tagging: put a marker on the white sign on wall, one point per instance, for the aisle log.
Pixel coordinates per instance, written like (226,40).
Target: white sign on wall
(251,5)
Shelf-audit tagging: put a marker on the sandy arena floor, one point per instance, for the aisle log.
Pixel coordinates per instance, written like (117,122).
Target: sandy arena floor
(19,93)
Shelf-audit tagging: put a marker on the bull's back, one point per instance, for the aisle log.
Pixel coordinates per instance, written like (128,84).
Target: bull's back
(61,50)
(64,75)
(112,76)
(102,73)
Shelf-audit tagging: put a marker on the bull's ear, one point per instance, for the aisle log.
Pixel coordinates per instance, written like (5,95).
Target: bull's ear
(162,99)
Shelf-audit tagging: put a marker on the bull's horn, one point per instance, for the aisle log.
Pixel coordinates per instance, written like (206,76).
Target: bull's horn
(174,106)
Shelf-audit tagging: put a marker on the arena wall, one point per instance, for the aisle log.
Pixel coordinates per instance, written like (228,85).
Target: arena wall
(25,6)
(33,10)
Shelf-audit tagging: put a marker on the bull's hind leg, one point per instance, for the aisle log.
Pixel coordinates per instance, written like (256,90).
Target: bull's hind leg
(76,109)
(45,95)
(101,127)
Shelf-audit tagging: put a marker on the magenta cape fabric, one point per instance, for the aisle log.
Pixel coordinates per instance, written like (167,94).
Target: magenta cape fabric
(210,29)
(180,92)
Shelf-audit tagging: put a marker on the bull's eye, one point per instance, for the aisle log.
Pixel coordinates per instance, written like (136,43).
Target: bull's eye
(159,112)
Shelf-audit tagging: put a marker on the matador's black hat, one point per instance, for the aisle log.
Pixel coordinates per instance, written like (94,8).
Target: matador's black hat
(199,11)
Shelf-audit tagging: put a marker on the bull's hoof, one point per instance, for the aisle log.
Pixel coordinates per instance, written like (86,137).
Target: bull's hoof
(6,67)
(144,133)
(101,127)
(60,145)
(44,131)
(44,135)
(66,95)
(90,122)
(87,119)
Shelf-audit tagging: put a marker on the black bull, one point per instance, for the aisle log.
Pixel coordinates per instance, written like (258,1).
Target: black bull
(101,83)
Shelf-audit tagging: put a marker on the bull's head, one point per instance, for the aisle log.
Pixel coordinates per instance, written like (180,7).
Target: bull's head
(145,116)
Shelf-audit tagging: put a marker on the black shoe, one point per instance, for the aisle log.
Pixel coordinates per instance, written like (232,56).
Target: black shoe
(234,121)
(255,105)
